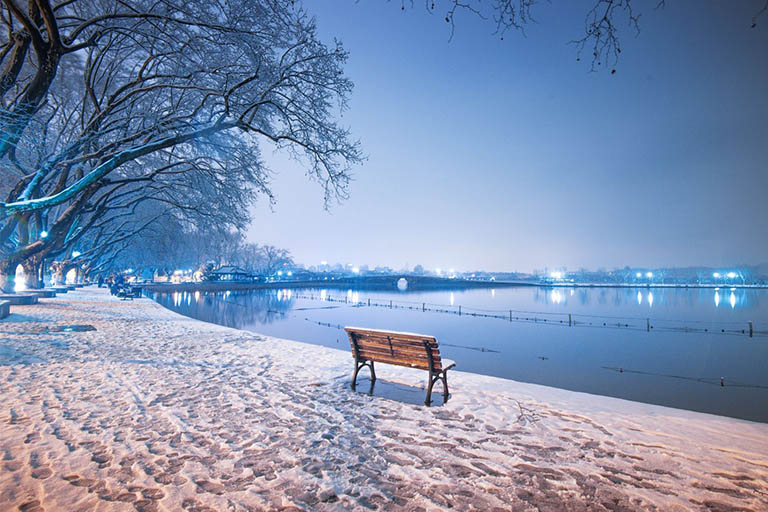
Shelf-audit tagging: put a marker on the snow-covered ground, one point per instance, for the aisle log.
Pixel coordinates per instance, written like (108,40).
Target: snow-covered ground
(155,411)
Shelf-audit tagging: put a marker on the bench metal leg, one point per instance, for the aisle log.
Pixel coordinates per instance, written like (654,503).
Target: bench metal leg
(432,380)
(358,367)
(445,387)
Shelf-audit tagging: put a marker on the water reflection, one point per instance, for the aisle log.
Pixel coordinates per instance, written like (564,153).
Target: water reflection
(651,298)
(239,309)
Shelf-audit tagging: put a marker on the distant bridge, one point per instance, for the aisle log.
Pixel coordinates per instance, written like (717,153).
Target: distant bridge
(371,282)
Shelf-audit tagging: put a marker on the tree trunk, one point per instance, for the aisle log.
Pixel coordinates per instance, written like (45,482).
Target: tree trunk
(57,276)
(32,273)
(7,276)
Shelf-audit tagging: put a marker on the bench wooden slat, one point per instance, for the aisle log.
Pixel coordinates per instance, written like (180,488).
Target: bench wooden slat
(410,363)
(409,336)
(393,339)
(415,351)
(396,357)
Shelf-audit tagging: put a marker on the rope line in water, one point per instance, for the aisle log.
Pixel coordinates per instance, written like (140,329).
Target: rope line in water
(562,319)
(721,381)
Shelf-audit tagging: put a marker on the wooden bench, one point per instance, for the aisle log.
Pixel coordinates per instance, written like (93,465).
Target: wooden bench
(125,291)
(401,349)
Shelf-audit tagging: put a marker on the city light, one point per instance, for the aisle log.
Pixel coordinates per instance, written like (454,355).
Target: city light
(355,270)
(649,274)
(438,271)
(290,273)
(323,262)
(731,275)
(715,274)
(557,275)
(43,234)
(639,275)
(280,272)
(75,254)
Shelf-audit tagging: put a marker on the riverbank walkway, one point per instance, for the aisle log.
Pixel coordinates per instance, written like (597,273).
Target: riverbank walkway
(155,411)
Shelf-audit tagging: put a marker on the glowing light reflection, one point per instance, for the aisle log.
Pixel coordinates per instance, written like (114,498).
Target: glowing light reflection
(717,298)
(650,299)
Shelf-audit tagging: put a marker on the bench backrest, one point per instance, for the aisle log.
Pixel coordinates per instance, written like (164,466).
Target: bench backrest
(399,348)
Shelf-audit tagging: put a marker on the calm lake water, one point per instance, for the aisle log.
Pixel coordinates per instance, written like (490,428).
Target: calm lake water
(657,345)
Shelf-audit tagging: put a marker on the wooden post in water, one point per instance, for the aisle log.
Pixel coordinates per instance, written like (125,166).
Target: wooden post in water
(570,320)
(751,329)
(390,304)
(423,307)
(648,324)
(510,315)
(459,310)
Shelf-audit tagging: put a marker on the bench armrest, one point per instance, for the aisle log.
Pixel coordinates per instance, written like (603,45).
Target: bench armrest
(447,364)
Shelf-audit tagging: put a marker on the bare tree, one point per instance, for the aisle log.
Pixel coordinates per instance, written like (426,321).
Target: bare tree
(152,91)
(274,259)
(604,22)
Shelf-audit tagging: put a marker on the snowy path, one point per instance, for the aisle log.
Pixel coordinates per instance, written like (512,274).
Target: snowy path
(155,411)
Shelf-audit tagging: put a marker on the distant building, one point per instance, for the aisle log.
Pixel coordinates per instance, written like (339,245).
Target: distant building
(230,273)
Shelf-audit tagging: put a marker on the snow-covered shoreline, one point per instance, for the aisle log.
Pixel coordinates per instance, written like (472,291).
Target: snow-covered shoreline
(156,411)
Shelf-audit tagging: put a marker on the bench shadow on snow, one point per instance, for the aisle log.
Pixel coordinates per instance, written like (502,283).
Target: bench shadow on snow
(396,391)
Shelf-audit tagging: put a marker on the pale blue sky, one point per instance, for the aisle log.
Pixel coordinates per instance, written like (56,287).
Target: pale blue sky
(510,155)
